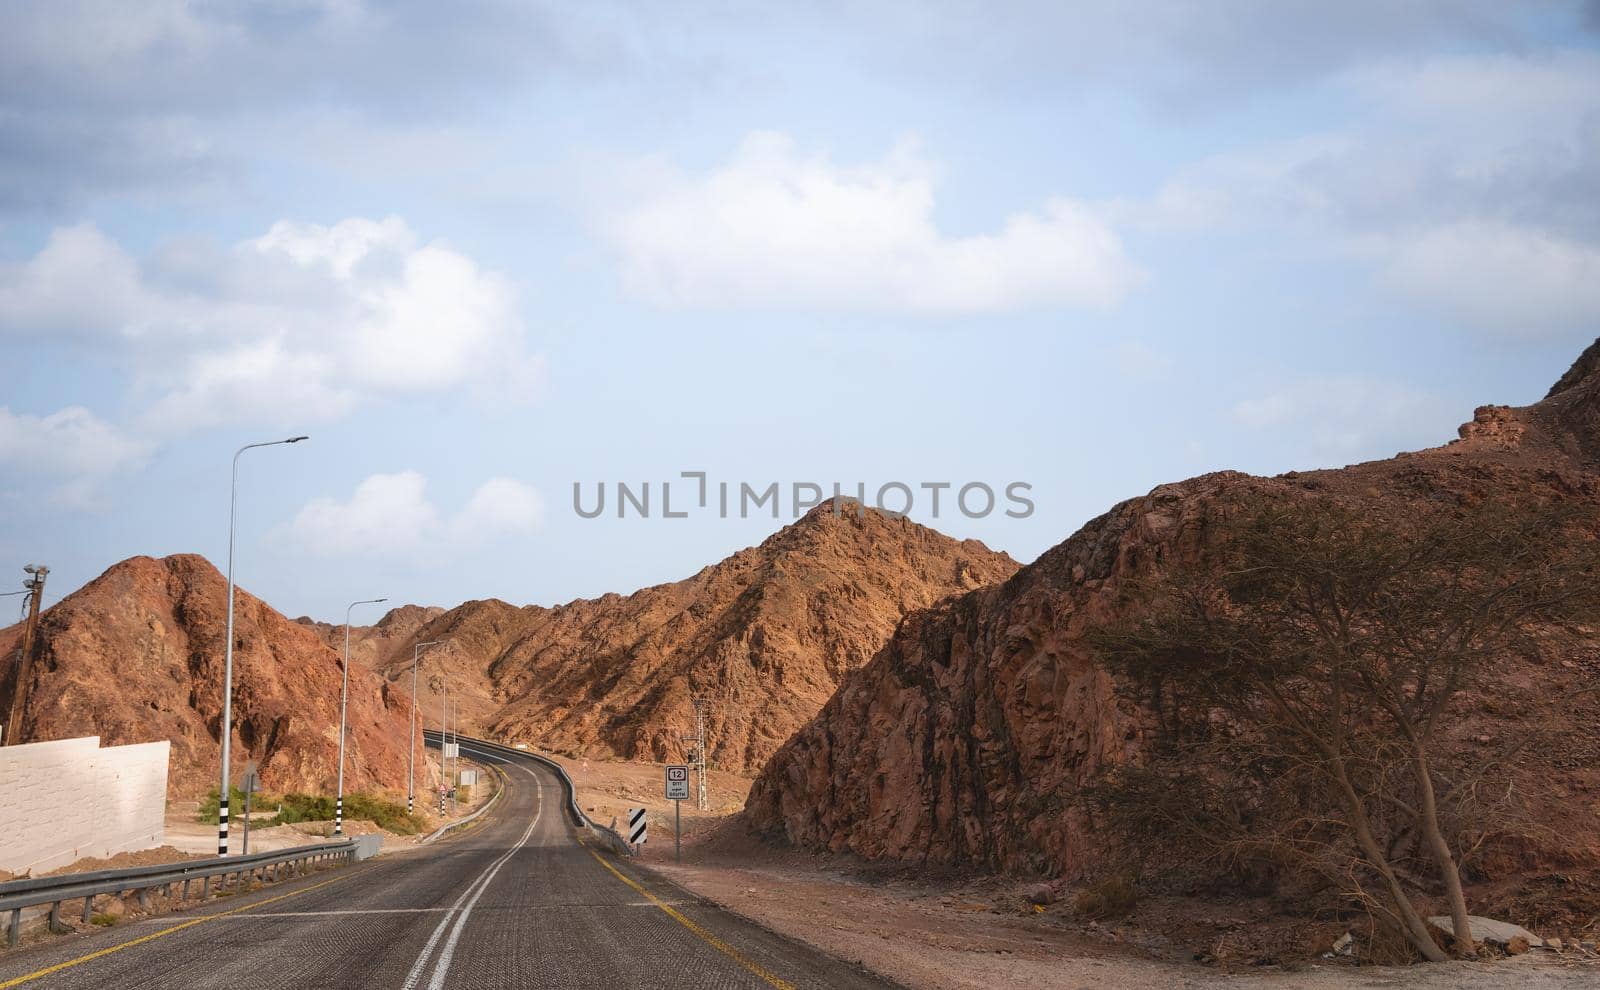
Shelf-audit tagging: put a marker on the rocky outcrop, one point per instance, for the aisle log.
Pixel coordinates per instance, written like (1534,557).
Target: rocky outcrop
(966,740)
(763,638)
(376,645)
(136,655)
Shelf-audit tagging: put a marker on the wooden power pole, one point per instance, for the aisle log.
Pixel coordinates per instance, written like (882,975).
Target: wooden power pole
(19,695)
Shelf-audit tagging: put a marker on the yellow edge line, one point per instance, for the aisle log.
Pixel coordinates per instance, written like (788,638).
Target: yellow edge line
(58,967)
(705,936)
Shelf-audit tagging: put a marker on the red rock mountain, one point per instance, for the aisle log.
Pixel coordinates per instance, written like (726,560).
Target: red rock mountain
(964,739)
(764,637)
(136,655)
(373,646)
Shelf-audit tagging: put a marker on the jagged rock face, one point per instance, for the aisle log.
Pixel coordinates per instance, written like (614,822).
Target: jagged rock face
(765,636)
(965,740)
(376,645)
(137,655)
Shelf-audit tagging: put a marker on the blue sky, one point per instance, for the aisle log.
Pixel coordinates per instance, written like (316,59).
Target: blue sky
(483,251)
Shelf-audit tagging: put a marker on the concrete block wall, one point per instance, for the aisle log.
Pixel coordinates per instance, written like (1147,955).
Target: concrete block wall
(66,799)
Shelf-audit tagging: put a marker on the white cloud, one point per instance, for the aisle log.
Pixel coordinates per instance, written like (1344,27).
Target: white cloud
(774,226)
(72,447)
(1349,417)
(1498,276)
(300,324)
(1470,184)
(390,515)
(501,506)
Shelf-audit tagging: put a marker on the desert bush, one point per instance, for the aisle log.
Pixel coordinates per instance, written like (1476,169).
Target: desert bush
(1302,678)
(1111,897)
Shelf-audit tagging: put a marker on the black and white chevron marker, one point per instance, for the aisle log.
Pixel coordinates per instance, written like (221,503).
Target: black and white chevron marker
(638,830)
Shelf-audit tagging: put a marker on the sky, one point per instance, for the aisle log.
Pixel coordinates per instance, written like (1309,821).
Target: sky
(485,252)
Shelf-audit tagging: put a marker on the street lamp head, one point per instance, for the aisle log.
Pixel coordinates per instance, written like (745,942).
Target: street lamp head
(296,439)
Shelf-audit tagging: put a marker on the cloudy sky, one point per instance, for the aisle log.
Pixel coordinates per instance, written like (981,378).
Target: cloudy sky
(483,251)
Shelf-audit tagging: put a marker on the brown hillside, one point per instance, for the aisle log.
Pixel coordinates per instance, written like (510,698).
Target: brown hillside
(136,655)
(764,636)
(375,645)
(966,739)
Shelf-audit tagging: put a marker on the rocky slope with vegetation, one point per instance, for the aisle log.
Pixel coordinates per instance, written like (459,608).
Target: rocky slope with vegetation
(975,736)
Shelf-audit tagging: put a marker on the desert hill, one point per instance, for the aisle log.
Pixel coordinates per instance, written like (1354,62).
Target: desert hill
(136,655)
(965,741)
(764,637)
(375,645)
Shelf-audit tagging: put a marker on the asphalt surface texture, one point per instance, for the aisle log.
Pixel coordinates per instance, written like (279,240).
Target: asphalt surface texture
(521,899)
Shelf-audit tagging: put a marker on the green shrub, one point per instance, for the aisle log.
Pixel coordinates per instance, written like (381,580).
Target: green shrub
(259,801)
(293,808)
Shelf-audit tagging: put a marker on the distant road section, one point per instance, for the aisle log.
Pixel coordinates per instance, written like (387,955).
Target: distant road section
(519,901)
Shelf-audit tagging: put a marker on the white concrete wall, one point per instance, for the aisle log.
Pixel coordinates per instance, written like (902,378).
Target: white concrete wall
(68,798)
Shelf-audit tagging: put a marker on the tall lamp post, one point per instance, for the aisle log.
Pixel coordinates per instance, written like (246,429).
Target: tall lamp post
(444,740)
(344,698)
(227,662)
(411,749)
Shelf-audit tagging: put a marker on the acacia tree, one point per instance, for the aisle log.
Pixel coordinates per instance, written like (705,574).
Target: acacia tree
(1317,648)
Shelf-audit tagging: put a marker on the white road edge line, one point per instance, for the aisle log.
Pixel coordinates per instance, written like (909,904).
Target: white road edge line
(438,932)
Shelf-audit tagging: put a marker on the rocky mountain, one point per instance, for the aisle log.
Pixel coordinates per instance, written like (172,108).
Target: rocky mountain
(137,655)
(763,637)
(967,737)
(375,645)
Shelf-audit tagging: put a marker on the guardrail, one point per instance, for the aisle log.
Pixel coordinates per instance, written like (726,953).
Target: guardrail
(15,895)
(442,829)
(607,835)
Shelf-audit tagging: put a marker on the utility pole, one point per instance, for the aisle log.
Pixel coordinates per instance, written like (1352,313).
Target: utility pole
(698,757)
(33,586)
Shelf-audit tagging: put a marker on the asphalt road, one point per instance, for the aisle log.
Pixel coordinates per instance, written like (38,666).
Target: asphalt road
(518,901)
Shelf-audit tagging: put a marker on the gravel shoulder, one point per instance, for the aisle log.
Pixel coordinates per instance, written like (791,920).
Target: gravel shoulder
(967,934)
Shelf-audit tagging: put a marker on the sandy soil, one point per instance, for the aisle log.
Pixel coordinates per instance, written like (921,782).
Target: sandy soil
(953,934)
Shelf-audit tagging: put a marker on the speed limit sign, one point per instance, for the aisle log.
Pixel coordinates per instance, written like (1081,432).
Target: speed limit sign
(677,783)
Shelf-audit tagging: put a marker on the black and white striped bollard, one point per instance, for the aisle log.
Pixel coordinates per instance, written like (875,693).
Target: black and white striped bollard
(222,826)
(338,816)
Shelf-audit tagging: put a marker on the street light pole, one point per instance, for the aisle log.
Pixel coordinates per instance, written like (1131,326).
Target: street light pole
(411,749)
(227,662)
(344,698)
(444,740)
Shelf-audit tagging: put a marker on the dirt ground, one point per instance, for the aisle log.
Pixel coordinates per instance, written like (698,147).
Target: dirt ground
(967,934)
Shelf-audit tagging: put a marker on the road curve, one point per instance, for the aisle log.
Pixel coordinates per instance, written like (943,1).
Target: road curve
(518,901)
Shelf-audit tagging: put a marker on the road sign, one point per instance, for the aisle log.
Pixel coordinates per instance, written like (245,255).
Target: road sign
(677,783)
(637,830)
(252,780)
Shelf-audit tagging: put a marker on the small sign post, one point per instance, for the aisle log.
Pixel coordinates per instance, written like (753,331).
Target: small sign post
(251,782)
(677,790)
(638,828)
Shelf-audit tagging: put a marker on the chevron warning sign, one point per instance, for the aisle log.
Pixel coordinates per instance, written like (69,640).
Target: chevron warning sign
(638,831)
